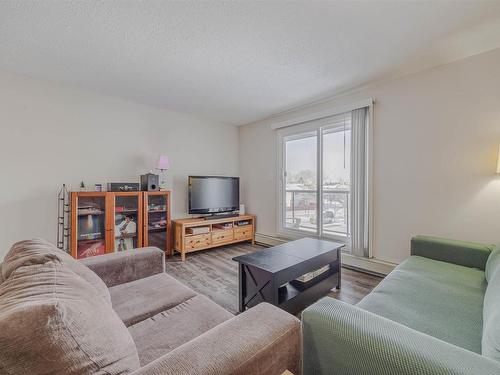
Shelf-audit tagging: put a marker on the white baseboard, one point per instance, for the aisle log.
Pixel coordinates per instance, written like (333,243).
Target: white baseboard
(267,240)
(371,265)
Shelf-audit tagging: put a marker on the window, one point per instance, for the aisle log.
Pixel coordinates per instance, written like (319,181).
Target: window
(315,161)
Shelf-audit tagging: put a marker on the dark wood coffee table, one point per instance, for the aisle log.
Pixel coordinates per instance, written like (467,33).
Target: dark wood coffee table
(261,274)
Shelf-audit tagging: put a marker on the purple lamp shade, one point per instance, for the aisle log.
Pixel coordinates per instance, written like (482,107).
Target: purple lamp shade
(163,163)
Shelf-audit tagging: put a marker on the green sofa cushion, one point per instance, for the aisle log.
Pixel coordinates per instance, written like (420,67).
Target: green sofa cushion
(491,311)
(440,299)
(463,253)
(493,263)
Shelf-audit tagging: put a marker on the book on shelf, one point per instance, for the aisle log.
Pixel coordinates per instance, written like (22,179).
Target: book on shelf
(311,275)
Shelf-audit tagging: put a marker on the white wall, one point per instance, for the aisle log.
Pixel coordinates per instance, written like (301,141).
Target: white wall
(52,134)
(435,146)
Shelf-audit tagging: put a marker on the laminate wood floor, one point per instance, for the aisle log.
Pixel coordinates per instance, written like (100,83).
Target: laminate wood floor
(214,274)
(355,285)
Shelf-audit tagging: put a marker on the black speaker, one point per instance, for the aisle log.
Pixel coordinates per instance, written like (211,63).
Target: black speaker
(150,182)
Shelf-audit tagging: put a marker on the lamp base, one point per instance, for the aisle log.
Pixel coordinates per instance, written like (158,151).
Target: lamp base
(163,181)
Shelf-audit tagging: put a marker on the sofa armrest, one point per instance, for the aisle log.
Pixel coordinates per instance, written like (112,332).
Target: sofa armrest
(264,340)
(125,266)
(344,339)
(468,254)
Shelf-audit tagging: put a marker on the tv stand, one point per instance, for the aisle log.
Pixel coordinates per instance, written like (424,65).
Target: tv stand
(193,234)
(220,216)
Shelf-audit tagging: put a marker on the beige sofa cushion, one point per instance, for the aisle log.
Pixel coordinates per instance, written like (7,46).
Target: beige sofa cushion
(171,328)
(141,299)
(52,322)
(38,250)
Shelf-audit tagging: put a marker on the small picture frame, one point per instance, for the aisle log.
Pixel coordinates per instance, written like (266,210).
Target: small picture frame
(98,187)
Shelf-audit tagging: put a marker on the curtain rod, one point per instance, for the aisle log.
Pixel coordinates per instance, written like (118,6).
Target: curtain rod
(332,111)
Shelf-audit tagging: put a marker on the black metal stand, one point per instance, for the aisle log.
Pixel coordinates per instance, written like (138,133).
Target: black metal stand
(63,219)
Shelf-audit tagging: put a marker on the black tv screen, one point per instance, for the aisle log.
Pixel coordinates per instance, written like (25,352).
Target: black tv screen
(212,194)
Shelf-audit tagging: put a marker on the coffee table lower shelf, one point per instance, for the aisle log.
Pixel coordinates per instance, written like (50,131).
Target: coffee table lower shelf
(296,298)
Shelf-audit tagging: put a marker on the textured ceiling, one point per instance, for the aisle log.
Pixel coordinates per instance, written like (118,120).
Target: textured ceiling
(237,62)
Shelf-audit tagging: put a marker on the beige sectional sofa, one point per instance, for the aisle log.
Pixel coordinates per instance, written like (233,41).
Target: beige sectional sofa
(122,314)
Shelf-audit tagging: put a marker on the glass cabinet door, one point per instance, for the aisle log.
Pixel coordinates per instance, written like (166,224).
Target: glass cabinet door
(157,221)
(91,226)
(126,222)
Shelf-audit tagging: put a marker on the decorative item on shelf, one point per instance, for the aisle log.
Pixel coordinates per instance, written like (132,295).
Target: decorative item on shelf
(161,223)
(125,232)
(98,187)
(149,182)
(162,165)
(82,186)
(242,209)
(156,207)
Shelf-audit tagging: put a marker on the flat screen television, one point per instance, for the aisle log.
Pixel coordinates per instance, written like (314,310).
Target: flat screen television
(213,194)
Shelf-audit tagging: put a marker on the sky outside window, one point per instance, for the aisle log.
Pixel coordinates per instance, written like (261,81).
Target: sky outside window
(301,160)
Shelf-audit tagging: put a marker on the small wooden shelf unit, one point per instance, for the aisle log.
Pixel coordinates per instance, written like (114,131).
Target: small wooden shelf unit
(215,235)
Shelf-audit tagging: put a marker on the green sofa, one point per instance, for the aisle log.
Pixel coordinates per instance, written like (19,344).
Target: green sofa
(438,312)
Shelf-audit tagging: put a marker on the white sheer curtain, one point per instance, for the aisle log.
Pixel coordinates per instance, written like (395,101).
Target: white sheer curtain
(359,183)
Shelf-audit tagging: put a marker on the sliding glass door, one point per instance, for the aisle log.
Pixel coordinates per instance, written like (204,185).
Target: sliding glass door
(336,179)
(301,182)
(315,165)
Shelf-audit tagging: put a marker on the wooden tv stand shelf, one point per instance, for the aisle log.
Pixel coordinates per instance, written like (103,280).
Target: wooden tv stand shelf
(193,234)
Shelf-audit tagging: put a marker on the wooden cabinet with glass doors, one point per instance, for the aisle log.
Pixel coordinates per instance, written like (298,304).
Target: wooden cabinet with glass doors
(107,222)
